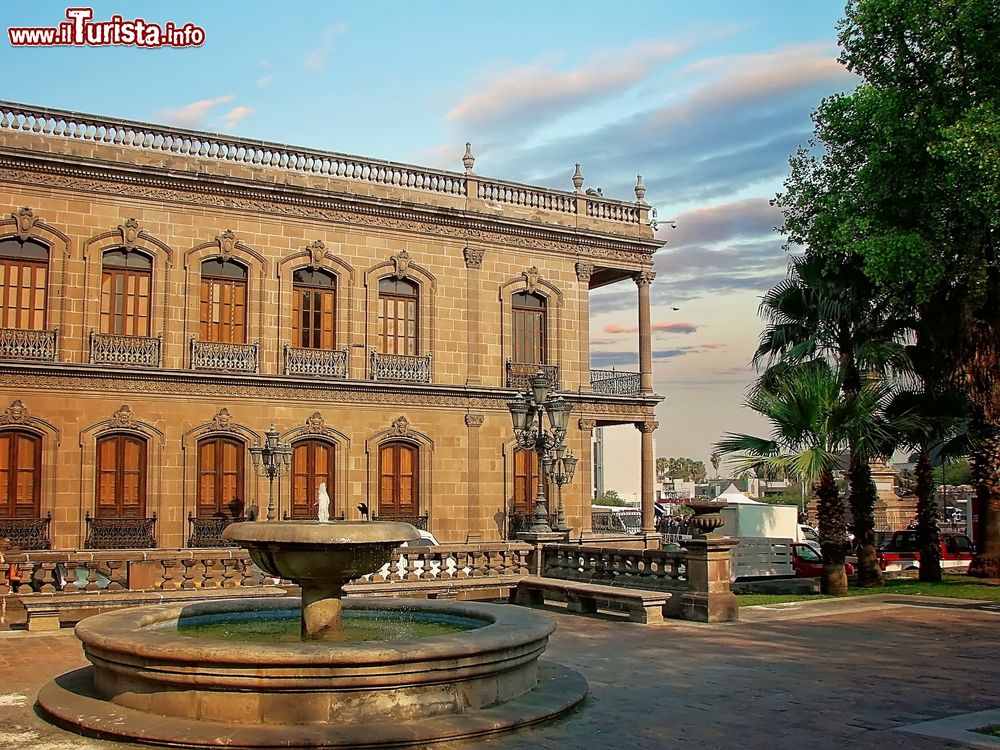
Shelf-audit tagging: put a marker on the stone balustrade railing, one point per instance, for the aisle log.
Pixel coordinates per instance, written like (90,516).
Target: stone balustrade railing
(74,126)
(453,562)
(658,570)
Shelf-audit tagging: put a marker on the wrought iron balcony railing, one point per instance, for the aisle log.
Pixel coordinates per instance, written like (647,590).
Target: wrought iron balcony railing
(606,521)
(207,532)
(615,382)
(323,362)
(215,355)
(419,521)
(26,533)
(120,533)
(519,374)
(518,522)
(401,367)
(16,343)
(128,351)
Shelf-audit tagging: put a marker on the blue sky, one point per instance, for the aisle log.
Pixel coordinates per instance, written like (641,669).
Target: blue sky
(706,100)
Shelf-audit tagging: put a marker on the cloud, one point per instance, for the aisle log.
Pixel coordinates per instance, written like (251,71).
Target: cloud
(191,115)
(315,59)
(536,92)
(265,81)
(235,116)
(661,327)
(749,217)
(616,358)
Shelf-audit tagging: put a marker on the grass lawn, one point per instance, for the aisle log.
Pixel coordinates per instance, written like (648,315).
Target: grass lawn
(953,586)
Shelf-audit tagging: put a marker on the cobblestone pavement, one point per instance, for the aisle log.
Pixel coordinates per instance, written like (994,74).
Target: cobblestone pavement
(844,675)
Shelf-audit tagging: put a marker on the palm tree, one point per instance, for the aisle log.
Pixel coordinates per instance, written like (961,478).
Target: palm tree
(715,459)
(831,309)
(813,423)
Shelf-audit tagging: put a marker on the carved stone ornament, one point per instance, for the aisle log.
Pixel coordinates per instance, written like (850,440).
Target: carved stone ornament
(130,233)
(16,413)
(469,159)
(223,421)
(473,257)
(400,428)
(227,244)
(648,426)
(315,425)
(531,277)
(26,221)
(317,254)
(474,420)
(123,418)
(401,264)
(587,425)
(644,278)
(584,271)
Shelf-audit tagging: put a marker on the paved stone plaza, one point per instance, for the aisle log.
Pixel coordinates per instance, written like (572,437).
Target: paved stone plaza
(833,674)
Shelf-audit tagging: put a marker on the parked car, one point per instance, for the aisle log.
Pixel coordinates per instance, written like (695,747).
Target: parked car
(902,551)
(808,563)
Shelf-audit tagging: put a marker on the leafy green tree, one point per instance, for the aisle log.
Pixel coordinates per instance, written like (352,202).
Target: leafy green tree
(905,176)
(836,313)
(686,469)
(813,422)
(611,497)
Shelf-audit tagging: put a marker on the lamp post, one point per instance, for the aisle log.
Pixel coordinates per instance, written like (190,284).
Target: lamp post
(271,460)
(560,468)
(526,412)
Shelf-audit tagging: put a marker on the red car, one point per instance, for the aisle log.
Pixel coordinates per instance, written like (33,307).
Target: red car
(902,551)
(808,563)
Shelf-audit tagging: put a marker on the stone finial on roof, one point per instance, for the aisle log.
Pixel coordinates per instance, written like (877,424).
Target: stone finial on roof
(640,189)
(469,159)
(578,179)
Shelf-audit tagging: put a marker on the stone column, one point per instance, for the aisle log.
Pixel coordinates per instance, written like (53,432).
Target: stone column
(474,354)
(709,598)
(473,422)
(643,280)
(583,273)
(648,464)
(585,469)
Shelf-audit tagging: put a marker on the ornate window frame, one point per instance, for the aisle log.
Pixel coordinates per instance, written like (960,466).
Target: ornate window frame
(316,256)
(400,431)
(315,428)
(17,417)
(531,281)
(400,266)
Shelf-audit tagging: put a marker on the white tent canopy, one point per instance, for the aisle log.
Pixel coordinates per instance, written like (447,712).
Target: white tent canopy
(735,497)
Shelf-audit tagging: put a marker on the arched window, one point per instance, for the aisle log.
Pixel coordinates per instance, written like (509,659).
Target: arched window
(121,477)
(312,464)
(24,272)
(529,328)
(223,302)
(398,323)
(525,482)
(399,464)
(221,482)
(314,324)
(126,284)
(20,474)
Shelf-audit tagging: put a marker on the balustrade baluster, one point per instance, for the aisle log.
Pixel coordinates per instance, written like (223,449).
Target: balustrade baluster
(189,574)
(117,575)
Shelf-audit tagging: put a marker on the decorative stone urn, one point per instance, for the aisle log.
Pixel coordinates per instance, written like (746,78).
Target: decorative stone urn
(707,517)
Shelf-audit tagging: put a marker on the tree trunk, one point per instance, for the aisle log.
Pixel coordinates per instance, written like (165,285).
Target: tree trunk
(863,497)
(832,536)
(927,526)
(986,467)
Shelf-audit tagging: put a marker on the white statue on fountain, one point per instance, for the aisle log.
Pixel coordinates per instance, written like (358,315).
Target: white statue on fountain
(323,500)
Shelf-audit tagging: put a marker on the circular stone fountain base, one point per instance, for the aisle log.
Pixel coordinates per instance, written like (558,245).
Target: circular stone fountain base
(153,685)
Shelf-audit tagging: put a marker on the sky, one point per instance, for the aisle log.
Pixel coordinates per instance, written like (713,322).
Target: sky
(705,100)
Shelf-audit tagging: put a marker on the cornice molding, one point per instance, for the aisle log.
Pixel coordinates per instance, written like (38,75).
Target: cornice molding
(156,183)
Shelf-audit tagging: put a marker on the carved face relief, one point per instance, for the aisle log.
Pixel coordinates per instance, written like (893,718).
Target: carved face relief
(317,253)
(531,277)
(123,418)
(223,420)
(315,425)
(400,428)
(16,413)
(401,264)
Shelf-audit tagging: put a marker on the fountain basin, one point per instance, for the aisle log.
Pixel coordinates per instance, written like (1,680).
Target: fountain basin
(138,665)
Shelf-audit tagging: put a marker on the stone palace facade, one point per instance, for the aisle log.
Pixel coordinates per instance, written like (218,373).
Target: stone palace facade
(169,295)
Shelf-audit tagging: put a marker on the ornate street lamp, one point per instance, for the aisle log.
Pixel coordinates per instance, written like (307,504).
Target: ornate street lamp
(271,460)
(560,470)
(526,413)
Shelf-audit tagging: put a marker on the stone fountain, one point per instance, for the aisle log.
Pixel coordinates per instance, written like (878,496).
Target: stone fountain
(150,682)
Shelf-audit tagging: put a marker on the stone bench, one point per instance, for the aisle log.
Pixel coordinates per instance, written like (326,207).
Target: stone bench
(47,611)
(642,606)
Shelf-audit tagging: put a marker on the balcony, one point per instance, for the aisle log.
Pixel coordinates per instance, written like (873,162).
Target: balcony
(125,351)
(615,382)
(418,521)
(519,374)
(120,533)
(401,367)
(215,355)
(207,532)
(26,533)
(321,362)
(16,343)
